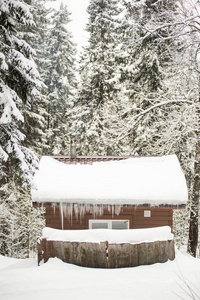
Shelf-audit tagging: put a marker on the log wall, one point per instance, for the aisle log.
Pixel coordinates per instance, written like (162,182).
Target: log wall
(105,255)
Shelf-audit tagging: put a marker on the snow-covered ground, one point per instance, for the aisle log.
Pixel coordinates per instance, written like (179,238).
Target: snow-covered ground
(23,279)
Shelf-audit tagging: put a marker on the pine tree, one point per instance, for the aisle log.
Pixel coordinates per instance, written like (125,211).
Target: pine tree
(20,223)
(164,114)
(151,67)
(18,85)
(37,37)
(60,79)
(19,125)
(99,104)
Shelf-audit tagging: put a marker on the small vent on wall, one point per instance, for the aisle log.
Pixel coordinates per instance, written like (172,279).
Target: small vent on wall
(147,213)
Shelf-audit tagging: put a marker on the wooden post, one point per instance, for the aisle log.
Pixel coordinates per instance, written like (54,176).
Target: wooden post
(39,250)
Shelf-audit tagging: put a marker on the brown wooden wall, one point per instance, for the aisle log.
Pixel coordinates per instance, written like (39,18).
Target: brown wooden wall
(160,216)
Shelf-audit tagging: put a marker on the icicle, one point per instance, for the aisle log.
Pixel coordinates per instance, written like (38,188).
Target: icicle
(113,210)
(96,210)
(89,208)
(65,210)
(82,211)
(61,213)
(68,211)
(54,208)
(117,210)
(101,209)
(76,211)
(79,210)
(71,212)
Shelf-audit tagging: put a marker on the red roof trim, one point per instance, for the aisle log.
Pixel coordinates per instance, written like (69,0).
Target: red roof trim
(88,159)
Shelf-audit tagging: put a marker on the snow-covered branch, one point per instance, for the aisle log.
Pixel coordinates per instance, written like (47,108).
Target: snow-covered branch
(137,118)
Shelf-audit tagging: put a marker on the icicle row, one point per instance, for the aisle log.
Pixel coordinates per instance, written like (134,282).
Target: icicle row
(67,210)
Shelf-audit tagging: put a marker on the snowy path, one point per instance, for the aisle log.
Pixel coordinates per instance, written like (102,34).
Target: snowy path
(22,279)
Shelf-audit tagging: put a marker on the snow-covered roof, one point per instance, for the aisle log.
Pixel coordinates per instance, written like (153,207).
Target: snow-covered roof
(132,181)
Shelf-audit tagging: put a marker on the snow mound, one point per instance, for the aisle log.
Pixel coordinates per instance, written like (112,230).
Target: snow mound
(132,236)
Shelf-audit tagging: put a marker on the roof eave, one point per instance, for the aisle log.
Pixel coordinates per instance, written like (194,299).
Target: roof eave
(173,206)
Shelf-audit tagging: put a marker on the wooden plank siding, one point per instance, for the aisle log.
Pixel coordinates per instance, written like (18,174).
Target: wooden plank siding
(105,254)
(160,216)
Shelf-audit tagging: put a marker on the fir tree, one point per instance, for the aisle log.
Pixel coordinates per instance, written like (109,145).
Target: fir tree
(36,119)
(98,105)
(164,114)
(151,67)
(20,223)
(19,84)
(19,88)
(59,77)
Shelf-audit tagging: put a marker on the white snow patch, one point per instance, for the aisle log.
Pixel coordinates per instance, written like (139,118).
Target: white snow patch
(134,181)
(131,236)
(7,261)
(8,99)
(178,279)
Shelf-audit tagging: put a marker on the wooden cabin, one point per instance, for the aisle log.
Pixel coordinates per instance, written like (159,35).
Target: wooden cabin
(114,192)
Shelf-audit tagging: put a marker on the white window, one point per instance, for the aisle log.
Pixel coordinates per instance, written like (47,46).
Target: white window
(108,224)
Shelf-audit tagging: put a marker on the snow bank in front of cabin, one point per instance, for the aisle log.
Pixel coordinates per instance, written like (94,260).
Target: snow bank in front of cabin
(7,261)
(134,181)
(177,279)
(131,236)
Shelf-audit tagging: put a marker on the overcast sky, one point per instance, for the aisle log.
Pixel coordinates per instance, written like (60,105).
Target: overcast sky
(79,18)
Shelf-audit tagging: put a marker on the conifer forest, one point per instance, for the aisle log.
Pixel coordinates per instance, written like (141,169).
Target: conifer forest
(134,89)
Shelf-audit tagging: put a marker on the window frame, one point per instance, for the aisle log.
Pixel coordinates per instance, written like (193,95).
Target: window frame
(109,222)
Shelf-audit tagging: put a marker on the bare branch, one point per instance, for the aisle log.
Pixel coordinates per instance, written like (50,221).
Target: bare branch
(135,119)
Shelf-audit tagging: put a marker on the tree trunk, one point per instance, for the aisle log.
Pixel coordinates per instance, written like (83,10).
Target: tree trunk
(194,208)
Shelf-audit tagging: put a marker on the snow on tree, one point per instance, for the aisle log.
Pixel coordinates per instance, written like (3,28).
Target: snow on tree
(58,74)
(191,20)
(37,115)
(20,223)
(151,67)
(164,114)
(20,125)
(18,85)
(99,104)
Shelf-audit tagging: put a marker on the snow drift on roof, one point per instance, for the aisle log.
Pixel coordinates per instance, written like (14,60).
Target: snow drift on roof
(134,181)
